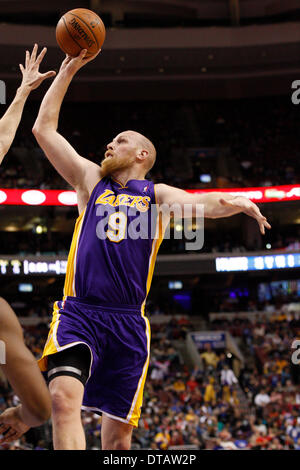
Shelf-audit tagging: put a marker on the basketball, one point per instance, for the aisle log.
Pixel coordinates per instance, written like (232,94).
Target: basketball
(80,29)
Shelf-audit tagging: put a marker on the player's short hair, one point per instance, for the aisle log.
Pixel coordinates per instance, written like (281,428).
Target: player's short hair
(147,145)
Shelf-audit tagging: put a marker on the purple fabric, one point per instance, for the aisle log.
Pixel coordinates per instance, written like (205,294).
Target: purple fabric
(110,272)
(118,342)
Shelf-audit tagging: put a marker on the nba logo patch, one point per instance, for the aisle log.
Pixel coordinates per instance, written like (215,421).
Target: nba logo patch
(145,189)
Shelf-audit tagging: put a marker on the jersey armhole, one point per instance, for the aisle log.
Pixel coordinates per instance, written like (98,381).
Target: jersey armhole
(155,196)
(83,210)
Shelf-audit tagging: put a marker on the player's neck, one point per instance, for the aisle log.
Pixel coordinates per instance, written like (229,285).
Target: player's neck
(127,175)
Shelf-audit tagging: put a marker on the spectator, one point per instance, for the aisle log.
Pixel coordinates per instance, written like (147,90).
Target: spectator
(227,376)
(209,357)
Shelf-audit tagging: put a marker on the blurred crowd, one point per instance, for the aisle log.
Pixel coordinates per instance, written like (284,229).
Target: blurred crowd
(55,242)
(258,138)
(220,405)
(243,299)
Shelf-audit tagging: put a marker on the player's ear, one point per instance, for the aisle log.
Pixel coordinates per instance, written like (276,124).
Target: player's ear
(142,155)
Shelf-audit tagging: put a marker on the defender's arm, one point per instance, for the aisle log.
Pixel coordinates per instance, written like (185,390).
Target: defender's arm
(23,374)
(32,78)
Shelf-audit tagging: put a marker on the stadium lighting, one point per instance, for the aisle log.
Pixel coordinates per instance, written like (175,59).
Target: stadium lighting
(53,197)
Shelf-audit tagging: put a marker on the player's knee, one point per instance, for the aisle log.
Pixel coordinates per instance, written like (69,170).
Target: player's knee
(65,404)
(117,445)
(122,443)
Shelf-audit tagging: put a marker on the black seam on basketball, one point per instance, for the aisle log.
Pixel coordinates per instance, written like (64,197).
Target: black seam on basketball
(79,45)
(88,28)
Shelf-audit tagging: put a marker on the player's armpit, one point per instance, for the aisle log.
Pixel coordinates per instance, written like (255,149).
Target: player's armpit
(21,369)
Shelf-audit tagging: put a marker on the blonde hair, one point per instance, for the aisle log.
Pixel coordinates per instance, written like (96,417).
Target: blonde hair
(146,145)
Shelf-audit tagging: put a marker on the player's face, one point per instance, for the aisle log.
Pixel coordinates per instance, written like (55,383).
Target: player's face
(120,154)
(122,146)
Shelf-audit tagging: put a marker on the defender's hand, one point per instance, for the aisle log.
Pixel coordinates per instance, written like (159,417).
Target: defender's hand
(249,208)
(32,78)
(12,425)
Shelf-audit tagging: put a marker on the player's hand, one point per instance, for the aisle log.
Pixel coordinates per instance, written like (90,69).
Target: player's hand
(249,208)
(73,64)
(32,78)
(11,425)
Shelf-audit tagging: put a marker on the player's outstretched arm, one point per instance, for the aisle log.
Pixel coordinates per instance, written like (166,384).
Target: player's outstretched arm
(216,204)
(24,376)
(32,78)
(79,172)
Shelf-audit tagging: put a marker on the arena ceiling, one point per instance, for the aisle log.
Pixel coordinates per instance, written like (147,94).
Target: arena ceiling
(170,63)
(234,10)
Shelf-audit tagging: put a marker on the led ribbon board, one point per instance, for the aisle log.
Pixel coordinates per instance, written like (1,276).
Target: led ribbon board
(53,197)
(257,263)
(20,266)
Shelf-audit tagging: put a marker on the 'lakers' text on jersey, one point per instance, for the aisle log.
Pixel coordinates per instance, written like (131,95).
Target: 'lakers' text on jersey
(115,244)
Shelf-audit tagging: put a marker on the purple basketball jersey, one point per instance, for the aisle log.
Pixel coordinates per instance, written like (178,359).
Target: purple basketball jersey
(115,244)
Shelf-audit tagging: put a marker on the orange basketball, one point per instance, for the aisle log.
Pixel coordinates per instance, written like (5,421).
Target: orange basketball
(80,29)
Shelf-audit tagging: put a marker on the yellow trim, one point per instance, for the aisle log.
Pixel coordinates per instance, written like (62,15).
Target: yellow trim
(70,274)
(155,247)
(135,410)
(50,346)
(161,227)
(155,197)
(121,184)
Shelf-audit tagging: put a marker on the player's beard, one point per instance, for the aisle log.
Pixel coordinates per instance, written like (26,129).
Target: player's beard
(114,164)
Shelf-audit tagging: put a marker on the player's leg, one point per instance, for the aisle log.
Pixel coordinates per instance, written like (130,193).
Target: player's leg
(115,435)
(123,378)
(67,373)
(66,396)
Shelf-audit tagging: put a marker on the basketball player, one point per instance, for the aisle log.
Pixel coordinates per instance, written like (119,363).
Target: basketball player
(21,369)
(97,352)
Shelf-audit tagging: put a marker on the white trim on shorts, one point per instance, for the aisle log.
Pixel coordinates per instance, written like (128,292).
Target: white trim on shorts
(117,418)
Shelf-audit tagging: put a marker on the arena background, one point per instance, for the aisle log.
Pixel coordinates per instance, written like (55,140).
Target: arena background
(211,82)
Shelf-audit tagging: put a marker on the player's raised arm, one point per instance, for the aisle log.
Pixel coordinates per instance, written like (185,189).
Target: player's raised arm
(79,172)
(216,204)
(24,376)
(31,79)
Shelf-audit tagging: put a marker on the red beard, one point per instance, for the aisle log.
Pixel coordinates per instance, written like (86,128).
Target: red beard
(113,164)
